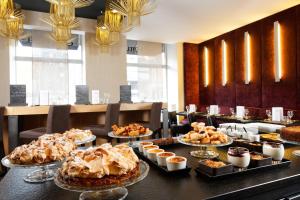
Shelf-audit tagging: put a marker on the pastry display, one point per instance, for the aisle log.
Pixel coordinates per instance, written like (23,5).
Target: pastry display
(162,158)
(130,130)
(141,144)
(99,166)
(147,147)
(214,164)
(238,156)
(176,163)
(256,156)
(270,136)
(78,134)
(291,133)
(274,150)
(164,141)
(46,149)
(152,153)
(205,135)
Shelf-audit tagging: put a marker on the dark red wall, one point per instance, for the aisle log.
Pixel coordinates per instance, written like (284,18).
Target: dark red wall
(191,74)
(283,93)
(207,93)
(250,94)
(298,56)
(225,95)
(262,92)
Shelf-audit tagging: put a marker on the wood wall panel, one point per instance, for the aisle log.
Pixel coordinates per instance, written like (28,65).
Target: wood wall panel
(191,73)
(281,93)
(225,95)
(262,92)
(298,55)
(207,93)
(248,94)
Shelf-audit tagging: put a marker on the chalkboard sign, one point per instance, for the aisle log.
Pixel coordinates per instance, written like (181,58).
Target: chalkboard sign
(17,95)
(125,94)
(82,94)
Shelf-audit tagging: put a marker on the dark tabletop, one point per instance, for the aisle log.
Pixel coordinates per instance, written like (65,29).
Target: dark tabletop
(158,185)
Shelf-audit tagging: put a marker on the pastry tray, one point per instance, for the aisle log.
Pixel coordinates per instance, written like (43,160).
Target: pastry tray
(236,171)
(252,146)
(161,168)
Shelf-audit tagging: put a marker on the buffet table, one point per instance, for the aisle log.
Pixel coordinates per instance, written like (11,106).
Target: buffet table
(19,118)
(272,184)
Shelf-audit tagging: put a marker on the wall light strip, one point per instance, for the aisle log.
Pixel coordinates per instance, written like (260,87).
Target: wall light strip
(247,56)
(277,52)
(206,67)
(224,63)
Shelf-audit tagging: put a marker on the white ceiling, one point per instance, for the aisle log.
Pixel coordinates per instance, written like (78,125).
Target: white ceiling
(199,20)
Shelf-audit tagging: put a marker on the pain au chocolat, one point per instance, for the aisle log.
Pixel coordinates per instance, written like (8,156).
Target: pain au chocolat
(100,166)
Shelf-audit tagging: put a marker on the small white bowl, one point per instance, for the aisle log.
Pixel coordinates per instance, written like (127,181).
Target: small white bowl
(141,144)
(176,163)
(162,158)
(151,153)
(147,147)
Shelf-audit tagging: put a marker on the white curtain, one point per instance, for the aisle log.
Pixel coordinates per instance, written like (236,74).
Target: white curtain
(146,72)
(49,69)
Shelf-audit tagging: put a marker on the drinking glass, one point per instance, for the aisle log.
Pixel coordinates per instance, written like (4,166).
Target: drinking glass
(290,115)
(246,113)
(208,110)
(187,109)
(106,98)
(232,112)
(269,114)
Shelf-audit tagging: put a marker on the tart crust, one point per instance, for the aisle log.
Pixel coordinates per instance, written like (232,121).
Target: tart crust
(104,181)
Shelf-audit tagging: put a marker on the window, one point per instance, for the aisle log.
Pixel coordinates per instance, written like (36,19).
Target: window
(42,66)
(147,72)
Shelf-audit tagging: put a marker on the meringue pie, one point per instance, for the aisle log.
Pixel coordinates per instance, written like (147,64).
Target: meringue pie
(98,166)
(47,148)
(78,134)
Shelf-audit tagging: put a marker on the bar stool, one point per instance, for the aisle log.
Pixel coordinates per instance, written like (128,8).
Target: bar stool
(57,122)
(2,153)
(111,118)
(154,122)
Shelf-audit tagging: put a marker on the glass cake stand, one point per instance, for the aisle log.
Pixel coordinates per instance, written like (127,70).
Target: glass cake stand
(87,140)
(203,152)
(130,138)
(44,173)
(107,192)
(296,152)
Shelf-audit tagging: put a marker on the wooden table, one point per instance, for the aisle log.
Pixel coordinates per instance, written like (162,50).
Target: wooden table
(19,118)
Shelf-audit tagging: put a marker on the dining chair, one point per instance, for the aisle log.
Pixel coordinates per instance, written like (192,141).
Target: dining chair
(154,123)
(58,121)
(2,153)
(111,118)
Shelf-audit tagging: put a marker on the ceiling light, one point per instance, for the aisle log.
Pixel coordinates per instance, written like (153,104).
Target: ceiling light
(62,18)
(11,20)
(103,37)
(133,9)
